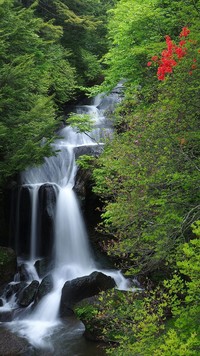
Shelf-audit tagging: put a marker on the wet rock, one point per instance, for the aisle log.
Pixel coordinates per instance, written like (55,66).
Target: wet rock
(27,295)
(6,315)
(23,274)
(15,288)
(83,287)
(45,287)
(8,265)
(1,302)
(11,344)
(46,210)
(88,150)
(43,267)
(83,179)
(24,224)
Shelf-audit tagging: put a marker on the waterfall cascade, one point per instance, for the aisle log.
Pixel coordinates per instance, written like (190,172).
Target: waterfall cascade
(68,247)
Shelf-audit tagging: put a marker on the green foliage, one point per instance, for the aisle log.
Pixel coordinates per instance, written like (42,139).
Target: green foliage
(48,48)
(149,174)
(85,161)
(148,179)
(35,76)
(84,30)
(137,30)
(81,122)
(86,312)
(161,321)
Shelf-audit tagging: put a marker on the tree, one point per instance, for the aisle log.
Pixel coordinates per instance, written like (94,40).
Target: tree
(148,175)
(32,64)
(136,31)
(84,31)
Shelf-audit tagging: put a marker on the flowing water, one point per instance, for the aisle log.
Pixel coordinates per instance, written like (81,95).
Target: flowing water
(70,250)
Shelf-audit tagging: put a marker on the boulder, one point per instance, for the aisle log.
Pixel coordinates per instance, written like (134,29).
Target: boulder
(83,287)
(8,265)
(6,315)
(22,271)
(45,287)
(15,288)
(83,179)
(27,295)
(88,150)
(43,267)
(11,344)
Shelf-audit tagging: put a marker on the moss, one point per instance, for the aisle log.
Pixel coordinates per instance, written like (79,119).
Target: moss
(4,257)
(8,264)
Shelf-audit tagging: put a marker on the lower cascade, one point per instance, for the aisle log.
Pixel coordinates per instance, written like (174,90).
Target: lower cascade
(49,222)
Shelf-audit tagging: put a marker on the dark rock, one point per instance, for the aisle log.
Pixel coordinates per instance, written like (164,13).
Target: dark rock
(11,344)
(45,287)
(23,220)
(15,288)
(46,210)
(8,265)
(27,295)
(6,316)
(1,302)
(23,274)
(83,178)
(84,287)
(43,266)
(88,150)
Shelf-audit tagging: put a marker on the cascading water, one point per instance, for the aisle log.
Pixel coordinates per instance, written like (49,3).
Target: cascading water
(70,250)
(34,199)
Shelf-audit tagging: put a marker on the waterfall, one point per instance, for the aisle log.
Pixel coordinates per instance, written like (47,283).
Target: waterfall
(69,248)
(70,234)
(34,198)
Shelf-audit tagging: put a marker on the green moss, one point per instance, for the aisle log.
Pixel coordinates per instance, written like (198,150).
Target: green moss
(4,257)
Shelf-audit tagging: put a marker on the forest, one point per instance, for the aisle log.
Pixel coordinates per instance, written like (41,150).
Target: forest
(148,176)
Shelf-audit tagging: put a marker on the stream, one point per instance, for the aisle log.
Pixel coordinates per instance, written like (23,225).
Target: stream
(67,245)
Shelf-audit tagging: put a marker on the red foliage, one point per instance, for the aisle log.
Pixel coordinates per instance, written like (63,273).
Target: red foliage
(171,55)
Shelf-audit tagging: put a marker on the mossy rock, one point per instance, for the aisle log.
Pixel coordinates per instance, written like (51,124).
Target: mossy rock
(8,265)
(90,312)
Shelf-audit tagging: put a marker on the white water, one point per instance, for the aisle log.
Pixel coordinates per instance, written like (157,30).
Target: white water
(34,198)
(70,234)
(72,255)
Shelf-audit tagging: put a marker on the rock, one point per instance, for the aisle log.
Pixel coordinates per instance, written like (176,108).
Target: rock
(83,179)
(43,267)
(15,288)
(8,265)
(23,274)
(5,316)
(93,315)
(1,302)
(46,210)
(45,287)
(11,344)
(83,287)
(88,150)
(27,295)
(23,207)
